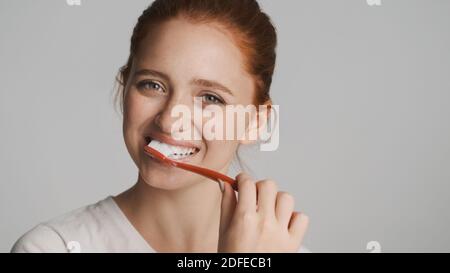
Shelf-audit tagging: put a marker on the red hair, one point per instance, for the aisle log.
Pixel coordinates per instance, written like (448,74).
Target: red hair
(250,27)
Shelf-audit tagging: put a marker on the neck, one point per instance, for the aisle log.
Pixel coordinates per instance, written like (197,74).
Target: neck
(182,220)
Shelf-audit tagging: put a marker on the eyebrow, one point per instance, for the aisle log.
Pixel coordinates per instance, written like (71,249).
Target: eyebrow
(198,82)
(212,84)
(153,73)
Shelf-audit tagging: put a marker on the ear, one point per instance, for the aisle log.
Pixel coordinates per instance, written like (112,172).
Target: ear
(258,123)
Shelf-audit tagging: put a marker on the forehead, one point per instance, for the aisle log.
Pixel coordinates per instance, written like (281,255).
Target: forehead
(185,50)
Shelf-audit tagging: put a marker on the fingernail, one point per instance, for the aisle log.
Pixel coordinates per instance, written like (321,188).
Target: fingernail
(221,185)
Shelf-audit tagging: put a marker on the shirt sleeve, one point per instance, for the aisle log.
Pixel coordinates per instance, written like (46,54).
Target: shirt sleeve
(304,250)
(40,239)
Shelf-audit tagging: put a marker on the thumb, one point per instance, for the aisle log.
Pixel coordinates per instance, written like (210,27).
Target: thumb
(227,207)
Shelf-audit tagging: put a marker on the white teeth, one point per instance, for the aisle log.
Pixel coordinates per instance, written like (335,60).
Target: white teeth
(171,151)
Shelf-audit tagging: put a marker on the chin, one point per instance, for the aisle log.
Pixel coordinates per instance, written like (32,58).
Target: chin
(168,178)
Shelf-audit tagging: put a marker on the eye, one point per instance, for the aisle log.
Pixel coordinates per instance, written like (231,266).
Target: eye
(150,85)
(212,99)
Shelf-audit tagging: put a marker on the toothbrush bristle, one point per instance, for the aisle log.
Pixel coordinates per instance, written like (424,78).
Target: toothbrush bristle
(155,153)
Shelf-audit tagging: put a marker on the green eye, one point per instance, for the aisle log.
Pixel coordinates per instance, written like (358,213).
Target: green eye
(150,85)
(212,99)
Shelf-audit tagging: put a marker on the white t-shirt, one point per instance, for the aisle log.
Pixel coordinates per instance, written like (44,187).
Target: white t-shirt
(99,227)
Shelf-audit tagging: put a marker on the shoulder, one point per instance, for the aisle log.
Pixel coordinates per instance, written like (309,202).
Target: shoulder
(59,233)
(41,238)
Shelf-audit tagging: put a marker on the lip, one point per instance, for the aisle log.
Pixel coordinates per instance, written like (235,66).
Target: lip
(168,140)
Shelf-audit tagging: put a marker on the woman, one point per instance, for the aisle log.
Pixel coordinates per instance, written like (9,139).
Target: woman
(223,53)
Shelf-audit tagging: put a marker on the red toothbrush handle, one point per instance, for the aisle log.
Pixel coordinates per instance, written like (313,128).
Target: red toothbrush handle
(207,173)
(211,174)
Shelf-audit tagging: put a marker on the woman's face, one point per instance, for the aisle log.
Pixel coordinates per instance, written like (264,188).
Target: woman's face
(177,62)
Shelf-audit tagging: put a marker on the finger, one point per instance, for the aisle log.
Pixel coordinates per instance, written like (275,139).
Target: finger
(284,207)
(246,193)
(228,206)
(267,196)
(298,225)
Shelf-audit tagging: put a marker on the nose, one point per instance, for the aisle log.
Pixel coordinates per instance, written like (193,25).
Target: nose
(169,119)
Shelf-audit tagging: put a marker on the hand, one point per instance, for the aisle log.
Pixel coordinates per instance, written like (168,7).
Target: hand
(259,219)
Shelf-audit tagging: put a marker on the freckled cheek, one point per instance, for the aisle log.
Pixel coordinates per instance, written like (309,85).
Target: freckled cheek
(137,117)
(139,111)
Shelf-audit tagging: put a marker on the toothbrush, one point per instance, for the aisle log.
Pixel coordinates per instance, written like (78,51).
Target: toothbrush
(211,174)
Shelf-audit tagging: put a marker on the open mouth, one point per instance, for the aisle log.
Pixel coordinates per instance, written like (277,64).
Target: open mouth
(172,151)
